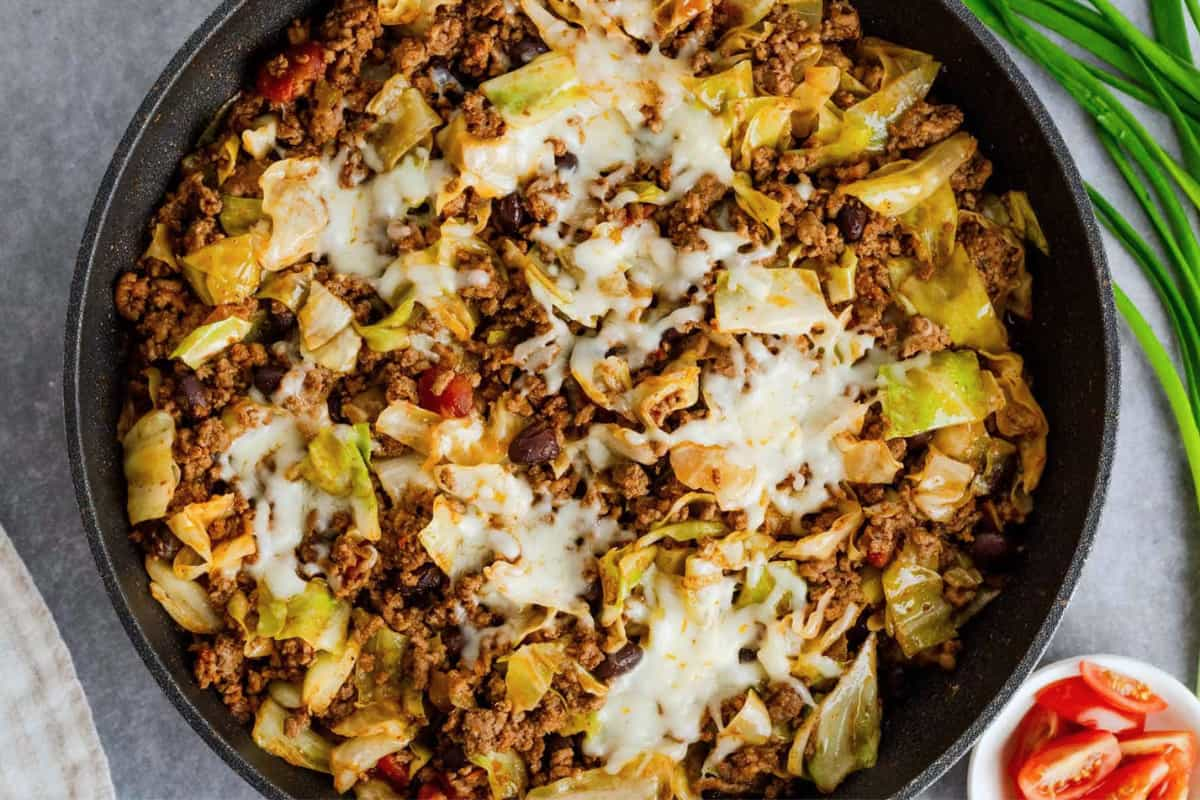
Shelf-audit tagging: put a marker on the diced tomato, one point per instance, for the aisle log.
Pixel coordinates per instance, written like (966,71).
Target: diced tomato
(456,399)
(1121,691)
(393,772)
(1038,726)
(1133,780)
(285,77)
(436,789)
(1070,766)
(1074,700)
(1175,787)
(1153,743)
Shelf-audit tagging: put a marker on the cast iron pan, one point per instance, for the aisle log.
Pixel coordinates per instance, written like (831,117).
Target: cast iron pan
(1071,350)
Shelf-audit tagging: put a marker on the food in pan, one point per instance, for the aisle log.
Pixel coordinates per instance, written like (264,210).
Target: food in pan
(579,398)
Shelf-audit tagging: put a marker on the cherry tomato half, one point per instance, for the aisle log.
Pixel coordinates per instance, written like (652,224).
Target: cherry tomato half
(393,772)
(1121,691)
(456,398)
(1038,726)
(1069,767)
(1175,787)
(284,77)
(1074,700)
(1153,743)
(1134,780)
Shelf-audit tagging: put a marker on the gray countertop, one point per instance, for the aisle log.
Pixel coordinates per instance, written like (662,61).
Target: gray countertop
(74,74)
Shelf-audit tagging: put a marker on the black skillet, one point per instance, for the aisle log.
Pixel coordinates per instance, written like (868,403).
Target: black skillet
(1071,350)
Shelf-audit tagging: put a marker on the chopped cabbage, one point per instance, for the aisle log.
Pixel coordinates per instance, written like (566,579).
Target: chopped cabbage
(531,669)
(296,208)
(869,461)
(705,467)
(533,92)
(658,396)
(160,246)
(208,340)
(391,332)
(326,675)
(933,223)
(337,462)
(408,424)
(323,316)
(918,616)
(185,601)
(306,749)
(846,736)
(399,12)
(823,545)
(1024,221)
(931,391)
(190,524)
(314,615)
(670,15)
(895,191)
(240,214)
(507,774)
(784,301)
(839,280)
(1021,418)
(227,158)
(759,206)
(750,726)
(355,757)
(289,288)
(225,271)
(339,354)
(942,486)
(598,784)
(404,120)
(621,568)
(956,298)
(151,473)
(381,718)
(382,681)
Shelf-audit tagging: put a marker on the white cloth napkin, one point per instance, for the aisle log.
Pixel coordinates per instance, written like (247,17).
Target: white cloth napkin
(49,747)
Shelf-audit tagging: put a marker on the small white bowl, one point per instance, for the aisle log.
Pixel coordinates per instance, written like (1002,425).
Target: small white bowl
(987,778)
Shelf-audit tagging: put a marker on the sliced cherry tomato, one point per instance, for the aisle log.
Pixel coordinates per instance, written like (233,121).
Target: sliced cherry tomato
(1153,743)
(1074,700)
(1121,691)
(1175,787)
(392,771)
(1070,766)
(456,398)
(1038,726)
(284,77)
(1133,780)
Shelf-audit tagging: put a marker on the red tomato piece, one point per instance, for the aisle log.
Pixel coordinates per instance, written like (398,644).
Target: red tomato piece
(1175,787)
(1074,700)
(1153,743)
(456,398)
(1038,726)
(431,791)
(1069,767)
(284,77)
(1134,780)
(393,772)
(1121,691)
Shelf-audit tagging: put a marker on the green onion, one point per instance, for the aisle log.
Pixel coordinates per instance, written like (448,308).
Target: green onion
(1170,27)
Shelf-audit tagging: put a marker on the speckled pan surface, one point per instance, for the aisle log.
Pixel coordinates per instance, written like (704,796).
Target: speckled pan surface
(1071,351)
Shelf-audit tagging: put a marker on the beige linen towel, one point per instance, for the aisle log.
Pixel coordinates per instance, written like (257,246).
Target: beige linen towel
(49,747)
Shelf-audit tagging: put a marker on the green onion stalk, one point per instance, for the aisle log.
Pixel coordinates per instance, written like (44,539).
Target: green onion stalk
(1157,71)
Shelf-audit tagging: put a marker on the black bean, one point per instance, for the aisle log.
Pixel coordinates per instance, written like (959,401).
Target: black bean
(453,756)
(619,663)
(510,214)
(268,377)
(193,393)
(528,49)
(747,656)
(536,444)
(334,403)
(990,549)
(851,220)
(568,161)
(429,578)
(453,640)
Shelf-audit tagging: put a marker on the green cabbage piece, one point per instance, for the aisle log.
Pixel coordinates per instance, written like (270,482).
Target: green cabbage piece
(956,298)
(933,223)
(314,615)
(718,92)
(326,675)
(151,473)
(839,280)
(531,670)
(784,301)
(382,681)
(507,774)
(355,757)
(932,391)
(240,214)
(761,207)
(226,271)
(186,601)
(895,190)
(289,288)
(621,568)
(404,120)
(846,736)
(322,317)
(918,616)
(537,90)
(598,784)
(749,727)
(391,332)
(208,340)
(306,749)
(338,462)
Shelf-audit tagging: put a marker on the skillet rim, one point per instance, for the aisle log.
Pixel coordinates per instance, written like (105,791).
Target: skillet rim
(81,282)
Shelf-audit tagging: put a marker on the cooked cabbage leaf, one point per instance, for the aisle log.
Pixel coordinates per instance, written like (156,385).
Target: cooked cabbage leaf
(404,120)
(306,749)
(337,462)
(918,616)
(942,486)
(785,301)
(151,473)
(894,191)
(355,757)
(226,271)
(955,297)
(759,206)
(208,340)
(185,601)
(326,675)
(931,391)
(533,92)
(531,669)
(846,736)
(507,774)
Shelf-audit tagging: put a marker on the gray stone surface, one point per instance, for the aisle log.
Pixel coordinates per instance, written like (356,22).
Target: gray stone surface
(73,75)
